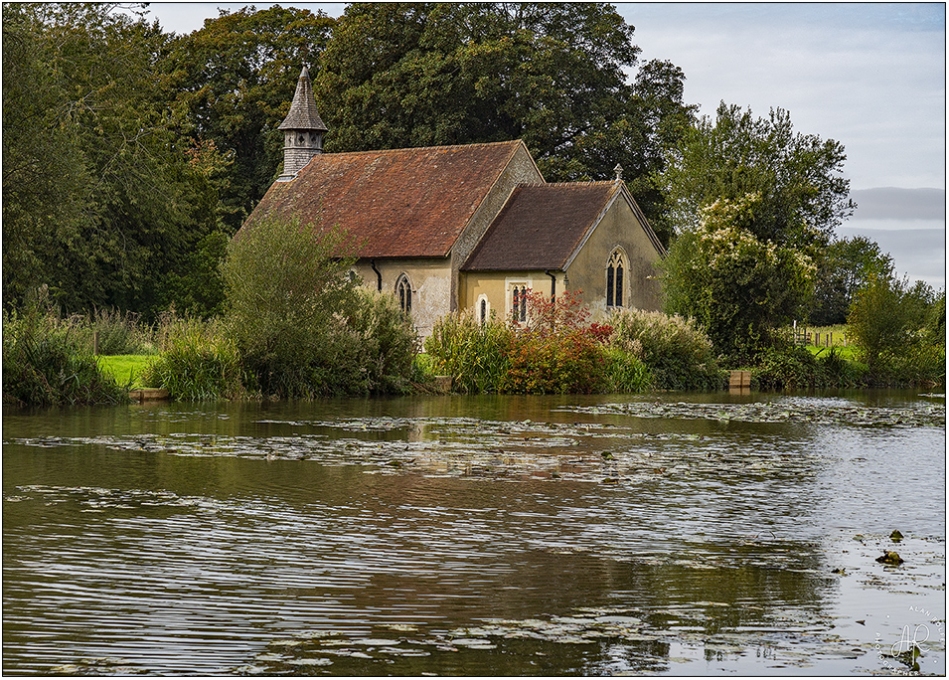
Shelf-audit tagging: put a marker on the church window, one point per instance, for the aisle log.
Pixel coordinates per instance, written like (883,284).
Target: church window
(519,303)
(483,309)
(615,276)
(403,291)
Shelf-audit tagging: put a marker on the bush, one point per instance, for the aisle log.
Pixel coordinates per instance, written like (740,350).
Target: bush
(900,330)
(45,364)
(556,351)
(384,344)
(791,367)
(196,361)
(303,327)
(794,367)
(475,355)
(677,353)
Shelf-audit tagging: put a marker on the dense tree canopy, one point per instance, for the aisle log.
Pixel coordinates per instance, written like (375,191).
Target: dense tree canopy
(554,75)
(234,80)
(845,267)
(101,201)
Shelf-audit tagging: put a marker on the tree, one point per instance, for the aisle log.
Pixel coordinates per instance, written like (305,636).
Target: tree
(303,326)
(845,267)
(739,288)
(896,327)
(554,75)
(803,195)
(41,158)
(234,81)
(132,202)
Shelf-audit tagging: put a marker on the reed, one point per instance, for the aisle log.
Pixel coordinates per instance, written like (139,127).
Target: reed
(475,355)
(625,374)
(196,361)
(46,364)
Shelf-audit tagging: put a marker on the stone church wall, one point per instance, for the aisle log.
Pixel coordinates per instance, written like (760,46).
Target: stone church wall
(430,280)
(520,170)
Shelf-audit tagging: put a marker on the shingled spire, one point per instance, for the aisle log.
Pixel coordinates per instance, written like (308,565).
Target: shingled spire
(302,130)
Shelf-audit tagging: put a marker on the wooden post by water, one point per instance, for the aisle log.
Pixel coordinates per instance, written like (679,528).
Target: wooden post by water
(739,380)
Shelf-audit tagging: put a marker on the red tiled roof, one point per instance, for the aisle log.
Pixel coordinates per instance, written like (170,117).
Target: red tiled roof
(541,226)
(396,203)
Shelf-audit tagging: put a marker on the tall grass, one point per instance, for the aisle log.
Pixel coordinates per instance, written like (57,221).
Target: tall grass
(118,332)
(196,361)
(625,374)
(46,364)
(678,354)
(475,355)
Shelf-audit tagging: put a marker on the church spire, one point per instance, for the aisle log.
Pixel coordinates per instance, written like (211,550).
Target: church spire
(302,130)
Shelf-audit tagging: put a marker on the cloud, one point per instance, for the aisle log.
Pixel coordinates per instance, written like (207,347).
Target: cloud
(871,76)
(891,203)
(918,253)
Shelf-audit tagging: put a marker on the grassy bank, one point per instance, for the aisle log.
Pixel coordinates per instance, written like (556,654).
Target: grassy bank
(126,369)
(46,364)
(47,360)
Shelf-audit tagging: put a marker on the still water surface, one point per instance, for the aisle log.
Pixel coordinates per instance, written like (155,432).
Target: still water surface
(676,534)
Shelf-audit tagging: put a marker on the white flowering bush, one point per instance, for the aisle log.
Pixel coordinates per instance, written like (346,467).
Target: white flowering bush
(739,289)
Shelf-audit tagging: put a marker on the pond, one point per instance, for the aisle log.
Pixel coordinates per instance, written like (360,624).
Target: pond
(662,534)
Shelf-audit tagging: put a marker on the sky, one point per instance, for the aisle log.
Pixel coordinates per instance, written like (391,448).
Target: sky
(869,75)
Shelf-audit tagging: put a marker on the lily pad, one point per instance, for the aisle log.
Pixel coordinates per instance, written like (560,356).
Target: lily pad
(310,662)
(376,642)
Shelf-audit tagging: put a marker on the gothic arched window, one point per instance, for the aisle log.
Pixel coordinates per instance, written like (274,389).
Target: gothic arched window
(403,291)
(483,309)
(615,275)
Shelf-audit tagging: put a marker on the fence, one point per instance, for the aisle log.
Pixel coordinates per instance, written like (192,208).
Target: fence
(818,339)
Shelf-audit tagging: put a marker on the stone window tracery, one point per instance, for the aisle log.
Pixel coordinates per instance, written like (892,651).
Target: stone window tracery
(403,291)
(616,270)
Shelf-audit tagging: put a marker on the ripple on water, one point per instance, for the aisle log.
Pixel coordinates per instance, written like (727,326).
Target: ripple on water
(709,550)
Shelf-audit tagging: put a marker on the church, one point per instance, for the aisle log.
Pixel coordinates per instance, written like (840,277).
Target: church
(467,227)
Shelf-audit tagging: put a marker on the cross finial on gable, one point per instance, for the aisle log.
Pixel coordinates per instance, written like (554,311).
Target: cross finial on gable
(619,172)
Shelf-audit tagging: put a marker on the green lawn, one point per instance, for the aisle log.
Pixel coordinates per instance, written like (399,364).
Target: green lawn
(848,353)
(125,366)
(838,335)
